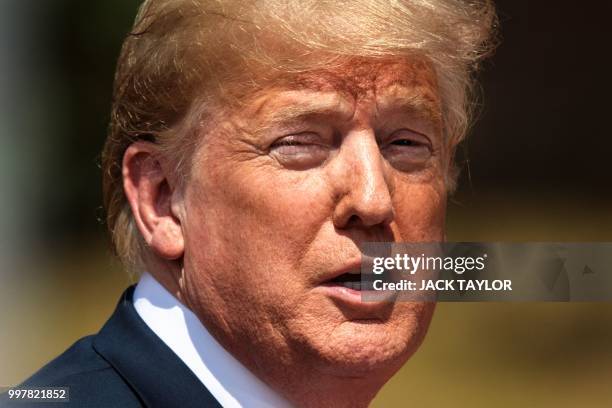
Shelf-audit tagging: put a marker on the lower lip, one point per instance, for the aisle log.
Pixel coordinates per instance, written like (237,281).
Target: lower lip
(342,291)
(351,296)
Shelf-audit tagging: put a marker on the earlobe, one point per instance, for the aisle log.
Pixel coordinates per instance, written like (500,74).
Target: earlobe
(167,239)
(149,193)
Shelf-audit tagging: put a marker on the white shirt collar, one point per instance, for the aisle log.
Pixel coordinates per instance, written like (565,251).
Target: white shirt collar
(231,383)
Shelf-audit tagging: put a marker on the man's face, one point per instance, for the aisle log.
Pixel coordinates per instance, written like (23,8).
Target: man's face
(280,196)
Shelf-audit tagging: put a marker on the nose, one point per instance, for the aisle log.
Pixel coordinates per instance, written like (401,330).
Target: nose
(364,190)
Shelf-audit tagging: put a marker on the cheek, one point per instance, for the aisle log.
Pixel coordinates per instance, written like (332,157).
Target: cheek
(420,212)
(257,217)
(280,206)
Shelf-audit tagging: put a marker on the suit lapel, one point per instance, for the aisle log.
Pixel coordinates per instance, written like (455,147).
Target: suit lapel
(150,367)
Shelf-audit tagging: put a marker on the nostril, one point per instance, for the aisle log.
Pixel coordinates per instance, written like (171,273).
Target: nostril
(353,220)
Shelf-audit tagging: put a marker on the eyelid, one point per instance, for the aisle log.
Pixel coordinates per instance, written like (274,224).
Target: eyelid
(300,151)
(417,137)
(306,137)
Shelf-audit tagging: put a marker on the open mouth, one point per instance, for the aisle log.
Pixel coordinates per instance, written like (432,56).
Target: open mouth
(352,280)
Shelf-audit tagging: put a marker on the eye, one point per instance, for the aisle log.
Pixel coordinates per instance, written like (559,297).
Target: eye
(405,142)
(289,145)
(300,151)
(407,150)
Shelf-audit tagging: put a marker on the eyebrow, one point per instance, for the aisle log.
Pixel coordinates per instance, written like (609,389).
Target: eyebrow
(331,105)
(421,104)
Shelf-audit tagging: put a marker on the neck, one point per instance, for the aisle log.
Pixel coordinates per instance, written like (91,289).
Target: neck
(169,275)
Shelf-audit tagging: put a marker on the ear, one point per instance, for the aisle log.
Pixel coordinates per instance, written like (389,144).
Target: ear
(150,195)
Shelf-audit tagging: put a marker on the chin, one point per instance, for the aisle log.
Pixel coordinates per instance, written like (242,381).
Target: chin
(357,348)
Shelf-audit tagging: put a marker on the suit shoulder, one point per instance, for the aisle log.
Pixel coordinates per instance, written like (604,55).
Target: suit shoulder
(91,380)
(78,359)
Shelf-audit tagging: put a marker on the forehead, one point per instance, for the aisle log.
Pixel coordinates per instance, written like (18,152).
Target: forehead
(359,77)
(406,84)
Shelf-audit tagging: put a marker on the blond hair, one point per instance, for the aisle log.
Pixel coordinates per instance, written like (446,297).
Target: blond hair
(183,56)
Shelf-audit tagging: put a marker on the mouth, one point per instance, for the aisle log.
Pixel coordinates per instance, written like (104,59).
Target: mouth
(355,290)
(352,280)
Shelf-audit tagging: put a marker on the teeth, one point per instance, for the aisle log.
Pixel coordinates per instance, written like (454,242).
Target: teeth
(350,285)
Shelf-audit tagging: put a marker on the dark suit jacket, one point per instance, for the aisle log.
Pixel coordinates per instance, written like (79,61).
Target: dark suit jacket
(124,365)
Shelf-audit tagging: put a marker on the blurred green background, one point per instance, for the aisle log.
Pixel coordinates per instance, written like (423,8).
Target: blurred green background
(536,168)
